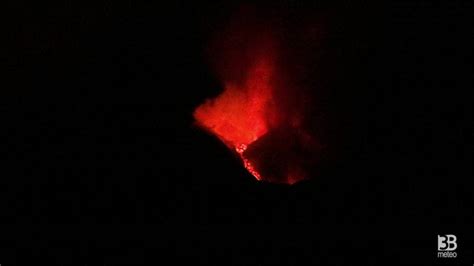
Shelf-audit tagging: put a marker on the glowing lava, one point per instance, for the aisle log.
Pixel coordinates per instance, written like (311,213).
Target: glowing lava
(247,164)
(242,113)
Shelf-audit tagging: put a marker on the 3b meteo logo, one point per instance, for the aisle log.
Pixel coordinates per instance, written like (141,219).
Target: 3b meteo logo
(447,246)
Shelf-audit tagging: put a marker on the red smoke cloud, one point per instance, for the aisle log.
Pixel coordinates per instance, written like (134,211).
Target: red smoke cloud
(260,113)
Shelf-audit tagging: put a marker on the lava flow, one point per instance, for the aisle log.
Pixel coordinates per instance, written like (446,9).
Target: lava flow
(247,164)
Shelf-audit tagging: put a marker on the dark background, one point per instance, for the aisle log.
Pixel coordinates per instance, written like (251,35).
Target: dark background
(103,162)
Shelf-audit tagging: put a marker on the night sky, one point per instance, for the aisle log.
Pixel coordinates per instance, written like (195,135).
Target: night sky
(105,165)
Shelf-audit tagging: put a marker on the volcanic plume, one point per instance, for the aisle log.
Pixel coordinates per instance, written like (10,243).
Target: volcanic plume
(260,114)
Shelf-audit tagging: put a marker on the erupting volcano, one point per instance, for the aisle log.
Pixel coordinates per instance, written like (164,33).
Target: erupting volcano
(260,113)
